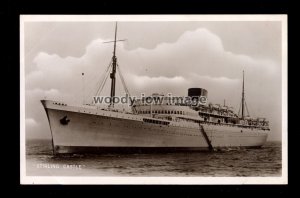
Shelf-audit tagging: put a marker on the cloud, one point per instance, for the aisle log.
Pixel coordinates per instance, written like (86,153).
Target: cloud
(196,59)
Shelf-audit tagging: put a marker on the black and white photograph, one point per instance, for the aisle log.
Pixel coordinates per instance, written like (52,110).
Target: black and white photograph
(153,99)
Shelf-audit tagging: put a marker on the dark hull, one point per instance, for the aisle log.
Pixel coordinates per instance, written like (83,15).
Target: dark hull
(61,150)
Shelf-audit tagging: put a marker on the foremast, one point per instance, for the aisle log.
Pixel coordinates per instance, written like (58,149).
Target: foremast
(113,71)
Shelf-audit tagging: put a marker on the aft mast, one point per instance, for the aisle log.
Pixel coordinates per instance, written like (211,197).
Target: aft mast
(244,104)
(243,98)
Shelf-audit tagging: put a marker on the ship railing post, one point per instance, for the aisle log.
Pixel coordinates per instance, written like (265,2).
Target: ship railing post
(151,110)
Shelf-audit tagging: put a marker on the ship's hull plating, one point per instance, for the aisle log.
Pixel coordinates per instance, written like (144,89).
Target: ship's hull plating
(75,130)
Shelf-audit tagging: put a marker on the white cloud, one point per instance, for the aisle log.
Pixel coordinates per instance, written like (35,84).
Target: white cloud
(162,80)
(222,79)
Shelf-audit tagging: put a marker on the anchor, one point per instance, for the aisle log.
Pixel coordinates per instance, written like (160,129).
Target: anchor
(64,120)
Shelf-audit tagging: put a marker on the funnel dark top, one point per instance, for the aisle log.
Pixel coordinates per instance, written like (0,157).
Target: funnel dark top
(192,92)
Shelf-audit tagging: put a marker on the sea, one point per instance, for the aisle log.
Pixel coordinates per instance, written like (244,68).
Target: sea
(262,162)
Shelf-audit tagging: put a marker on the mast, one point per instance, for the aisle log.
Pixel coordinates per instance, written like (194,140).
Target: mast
(243,98)
(114,66)
(113,72)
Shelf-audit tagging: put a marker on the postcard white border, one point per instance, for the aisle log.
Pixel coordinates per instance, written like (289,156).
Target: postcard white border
(152,180)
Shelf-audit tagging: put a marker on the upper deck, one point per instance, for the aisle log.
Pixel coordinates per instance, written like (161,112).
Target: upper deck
(164,108)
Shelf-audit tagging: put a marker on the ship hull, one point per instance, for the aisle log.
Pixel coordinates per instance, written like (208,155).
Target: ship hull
(77,129)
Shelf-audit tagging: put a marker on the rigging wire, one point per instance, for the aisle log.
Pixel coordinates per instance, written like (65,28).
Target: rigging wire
(102,81)
(124,85)
(248,114)
(93,82)
(239,113)
(103,77)
(102,85)
(94,88)
(122,79)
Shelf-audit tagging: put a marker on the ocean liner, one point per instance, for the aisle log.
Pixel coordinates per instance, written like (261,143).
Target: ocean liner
(163,126)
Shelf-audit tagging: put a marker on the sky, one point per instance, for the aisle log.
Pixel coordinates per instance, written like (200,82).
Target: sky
(157,57)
